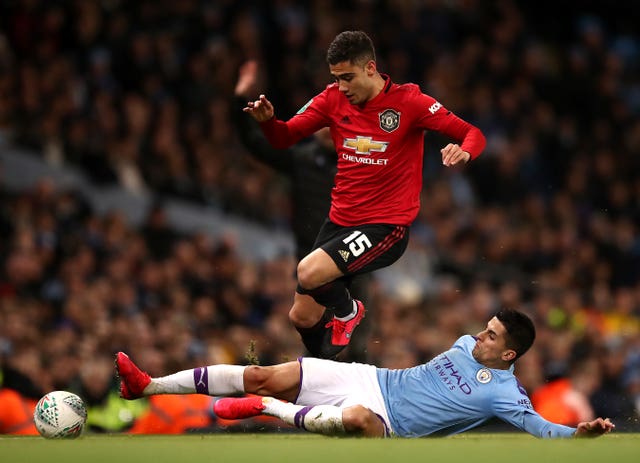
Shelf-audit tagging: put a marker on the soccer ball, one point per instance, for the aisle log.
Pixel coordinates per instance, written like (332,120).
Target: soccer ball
(60,414)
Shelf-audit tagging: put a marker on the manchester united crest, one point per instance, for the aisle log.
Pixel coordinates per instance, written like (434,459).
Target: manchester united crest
(389,120)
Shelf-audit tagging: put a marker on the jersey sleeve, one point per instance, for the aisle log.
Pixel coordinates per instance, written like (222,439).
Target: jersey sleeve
(433,116)
(308,120)
(514,407)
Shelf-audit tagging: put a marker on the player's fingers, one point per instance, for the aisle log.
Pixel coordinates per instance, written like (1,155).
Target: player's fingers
(461,157)
(452,160)
(446,154)
(602,426)
(452,155)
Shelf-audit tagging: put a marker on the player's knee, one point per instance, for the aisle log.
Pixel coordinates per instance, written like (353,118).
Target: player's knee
(255,378)
(306,275)
(297,316)
(362,421)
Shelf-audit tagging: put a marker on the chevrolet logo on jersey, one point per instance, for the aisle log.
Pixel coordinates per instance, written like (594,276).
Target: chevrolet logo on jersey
(365,145)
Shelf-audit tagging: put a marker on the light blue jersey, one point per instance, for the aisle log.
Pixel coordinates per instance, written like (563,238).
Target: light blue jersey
(453,393)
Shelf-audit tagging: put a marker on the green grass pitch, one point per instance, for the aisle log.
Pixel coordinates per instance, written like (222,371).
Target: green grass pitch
(309,448)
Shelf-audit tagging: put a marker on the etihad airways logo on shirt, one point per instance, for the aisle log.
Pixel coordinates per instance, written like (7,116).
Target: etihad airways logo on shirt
(449,374)
(366,146)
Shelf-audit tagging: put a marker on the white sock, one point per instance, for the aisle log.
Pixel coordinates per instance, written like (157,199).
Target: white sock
(353,313)
(323,419)
(212,380)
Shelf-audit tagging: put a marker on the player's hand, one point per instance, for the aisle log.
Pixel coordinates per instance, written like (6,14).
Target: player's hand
(247,77)
(452,154)
(261,109)
(594,428)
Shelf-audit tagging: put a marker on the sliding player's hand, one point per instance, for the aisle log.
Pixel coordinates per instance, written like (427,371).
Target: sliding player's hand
(594,428)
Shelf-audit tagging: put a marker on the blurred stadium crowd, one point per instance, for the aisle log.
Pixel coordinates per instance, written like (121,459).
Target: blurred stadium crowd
(138,94)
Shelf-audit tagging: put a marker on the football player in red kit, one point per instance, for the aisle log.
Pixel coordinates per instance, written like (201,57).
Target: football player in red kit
(378,128)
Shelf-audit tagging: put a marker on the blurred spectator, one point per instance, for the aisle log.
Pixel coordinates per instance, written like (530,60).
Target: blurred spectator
(566,400)
(106,412)
(22,383)
(176,414)
(16,413)
(158,235)
(611,397)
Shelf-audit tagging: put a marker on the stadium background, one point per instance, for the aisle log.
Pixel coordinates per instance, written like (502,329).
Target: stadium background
(132,219)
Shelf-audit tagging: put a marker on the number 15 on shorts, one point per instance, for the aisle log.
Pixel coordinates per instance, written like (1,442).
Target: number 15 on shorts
(357,242)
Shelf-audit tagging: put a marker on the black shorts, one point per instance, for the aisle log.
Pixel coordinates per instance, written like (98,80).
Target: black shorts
(364,248)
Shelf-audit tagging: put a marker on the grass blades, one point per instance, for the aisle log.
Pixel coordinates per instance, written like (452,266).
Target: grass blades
(309,448)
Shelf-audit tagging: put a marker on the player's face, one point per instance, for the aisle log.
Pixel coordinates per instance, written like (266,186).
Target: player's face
(355,80)
(491,346)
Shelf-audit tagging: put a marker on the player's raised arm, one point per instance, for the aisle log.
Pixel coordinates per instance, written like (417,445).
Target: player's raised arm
(261,109)
(594,428)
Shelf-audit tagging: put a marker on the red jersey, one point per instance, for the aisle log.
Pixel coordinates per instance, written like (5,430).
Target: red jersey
(380,148)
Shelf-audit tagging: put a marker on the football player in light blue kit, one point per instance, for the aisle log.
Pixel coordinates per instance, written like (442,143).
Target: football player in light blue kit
(456,391)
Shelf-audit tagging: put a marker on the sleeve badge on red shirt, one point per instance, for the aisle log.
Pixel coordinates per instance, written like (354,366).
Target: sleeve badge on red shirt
(389,120)
(304,108)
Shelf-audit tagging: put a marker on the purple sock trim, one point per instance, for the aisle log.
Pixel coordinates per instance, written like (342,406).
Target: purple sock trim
(201,380)
(298,420)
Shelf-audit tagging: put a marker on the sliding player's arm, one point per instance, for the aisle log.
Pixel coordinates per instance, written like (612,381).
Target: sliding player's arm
(517,410)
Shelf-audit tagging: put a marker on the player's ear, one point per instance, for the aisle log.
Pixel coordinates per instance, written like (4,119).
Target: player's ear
(370,68)
(509,355)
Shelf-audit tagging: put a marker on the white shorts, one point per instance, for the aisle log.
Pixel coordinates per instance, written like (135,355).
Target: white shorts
(325,382)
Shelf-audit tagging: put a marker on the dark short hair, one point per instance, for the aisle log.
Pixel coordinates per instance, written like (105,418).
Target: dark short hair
(352,46)
(520,330)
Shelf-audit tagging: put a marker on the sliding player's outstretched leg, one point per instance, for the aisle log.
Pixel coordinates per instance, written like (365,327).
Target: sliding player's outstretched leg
(209,380)
(323,419)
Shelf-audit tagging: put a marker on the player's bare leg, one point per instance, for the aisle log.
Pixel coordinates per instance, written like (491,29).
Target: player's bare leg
(362,421)
(305,312)
(324,333)
(316,269)
(281,381)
